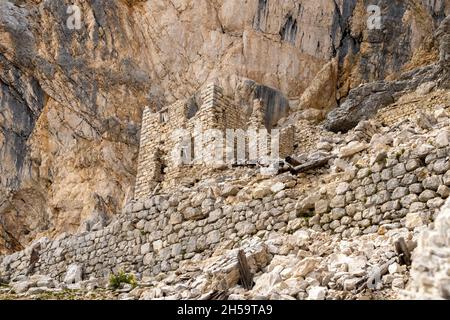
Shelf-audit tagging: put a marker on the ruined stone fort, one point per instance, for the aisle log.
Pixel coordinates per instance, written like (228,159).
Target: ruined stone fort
(163,151)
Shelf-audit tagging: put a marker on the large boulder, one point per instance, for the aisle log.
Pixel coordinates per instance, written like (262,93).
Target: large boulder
(364,101)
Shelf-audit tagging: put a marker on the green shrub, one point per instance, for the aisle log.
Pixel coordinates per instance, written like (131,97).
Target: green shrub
(115,280)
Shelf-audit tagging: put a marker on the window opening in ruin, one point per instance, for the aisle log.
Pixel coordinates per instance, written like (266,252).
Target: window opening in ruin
(160,166)
(186,154)
(164,117)
(192,108)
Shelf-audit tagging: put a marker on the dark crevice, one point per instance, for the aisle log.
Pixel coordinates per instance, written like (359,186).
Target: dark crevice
(192,108)
(259,22)
(277,105)
(347,43)
(289,30)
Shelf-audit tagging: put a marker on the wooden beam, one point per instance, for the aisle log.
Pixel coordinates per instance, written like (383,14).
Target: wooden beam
(403,252)
(244,271)
(293,161)
(218,295)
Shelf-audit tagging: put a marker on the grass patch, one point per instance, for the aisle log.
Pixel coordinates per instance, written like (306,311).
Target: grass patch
(116,280)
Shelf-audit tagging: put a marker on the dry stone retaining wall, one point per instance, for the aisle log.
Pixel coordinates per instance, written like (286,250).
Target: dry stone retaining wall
(155,235)
(406,189)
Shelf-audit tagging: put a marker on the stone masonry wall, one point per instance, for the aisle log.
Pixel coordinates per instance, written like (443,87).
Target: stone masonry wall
(287,137)
(405,189)
(156,163)
(158,233)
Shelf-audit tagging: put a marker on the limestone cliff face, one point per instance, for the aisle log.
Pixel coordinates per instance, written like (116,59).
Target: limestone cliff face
(71,100)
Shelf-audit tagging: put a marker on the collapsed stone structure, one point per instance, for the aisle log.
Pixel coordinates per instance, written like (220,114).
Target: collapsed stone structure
(380,183)
(402,190)
(168,153)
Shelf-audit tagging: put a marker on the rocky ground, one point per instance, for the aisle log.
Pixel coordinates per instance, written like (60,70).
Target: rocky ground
(305,265)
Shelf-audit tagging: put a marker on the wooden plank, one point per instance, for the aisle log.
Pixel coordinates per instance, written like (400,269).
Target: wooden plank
(314,164)
(34,258)
(293,161)
(155,191)
(244,271)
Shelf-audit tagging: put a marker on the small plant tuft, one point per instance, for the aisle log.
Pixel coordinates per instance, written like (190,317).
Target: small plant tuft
(116,280)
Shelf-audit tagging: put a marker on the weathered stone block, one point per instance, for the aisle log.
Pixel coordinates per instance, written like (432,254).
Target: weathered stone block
(321,206)
(398,170)
(399,193)
(432,183)
(245,228)
(391,205)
